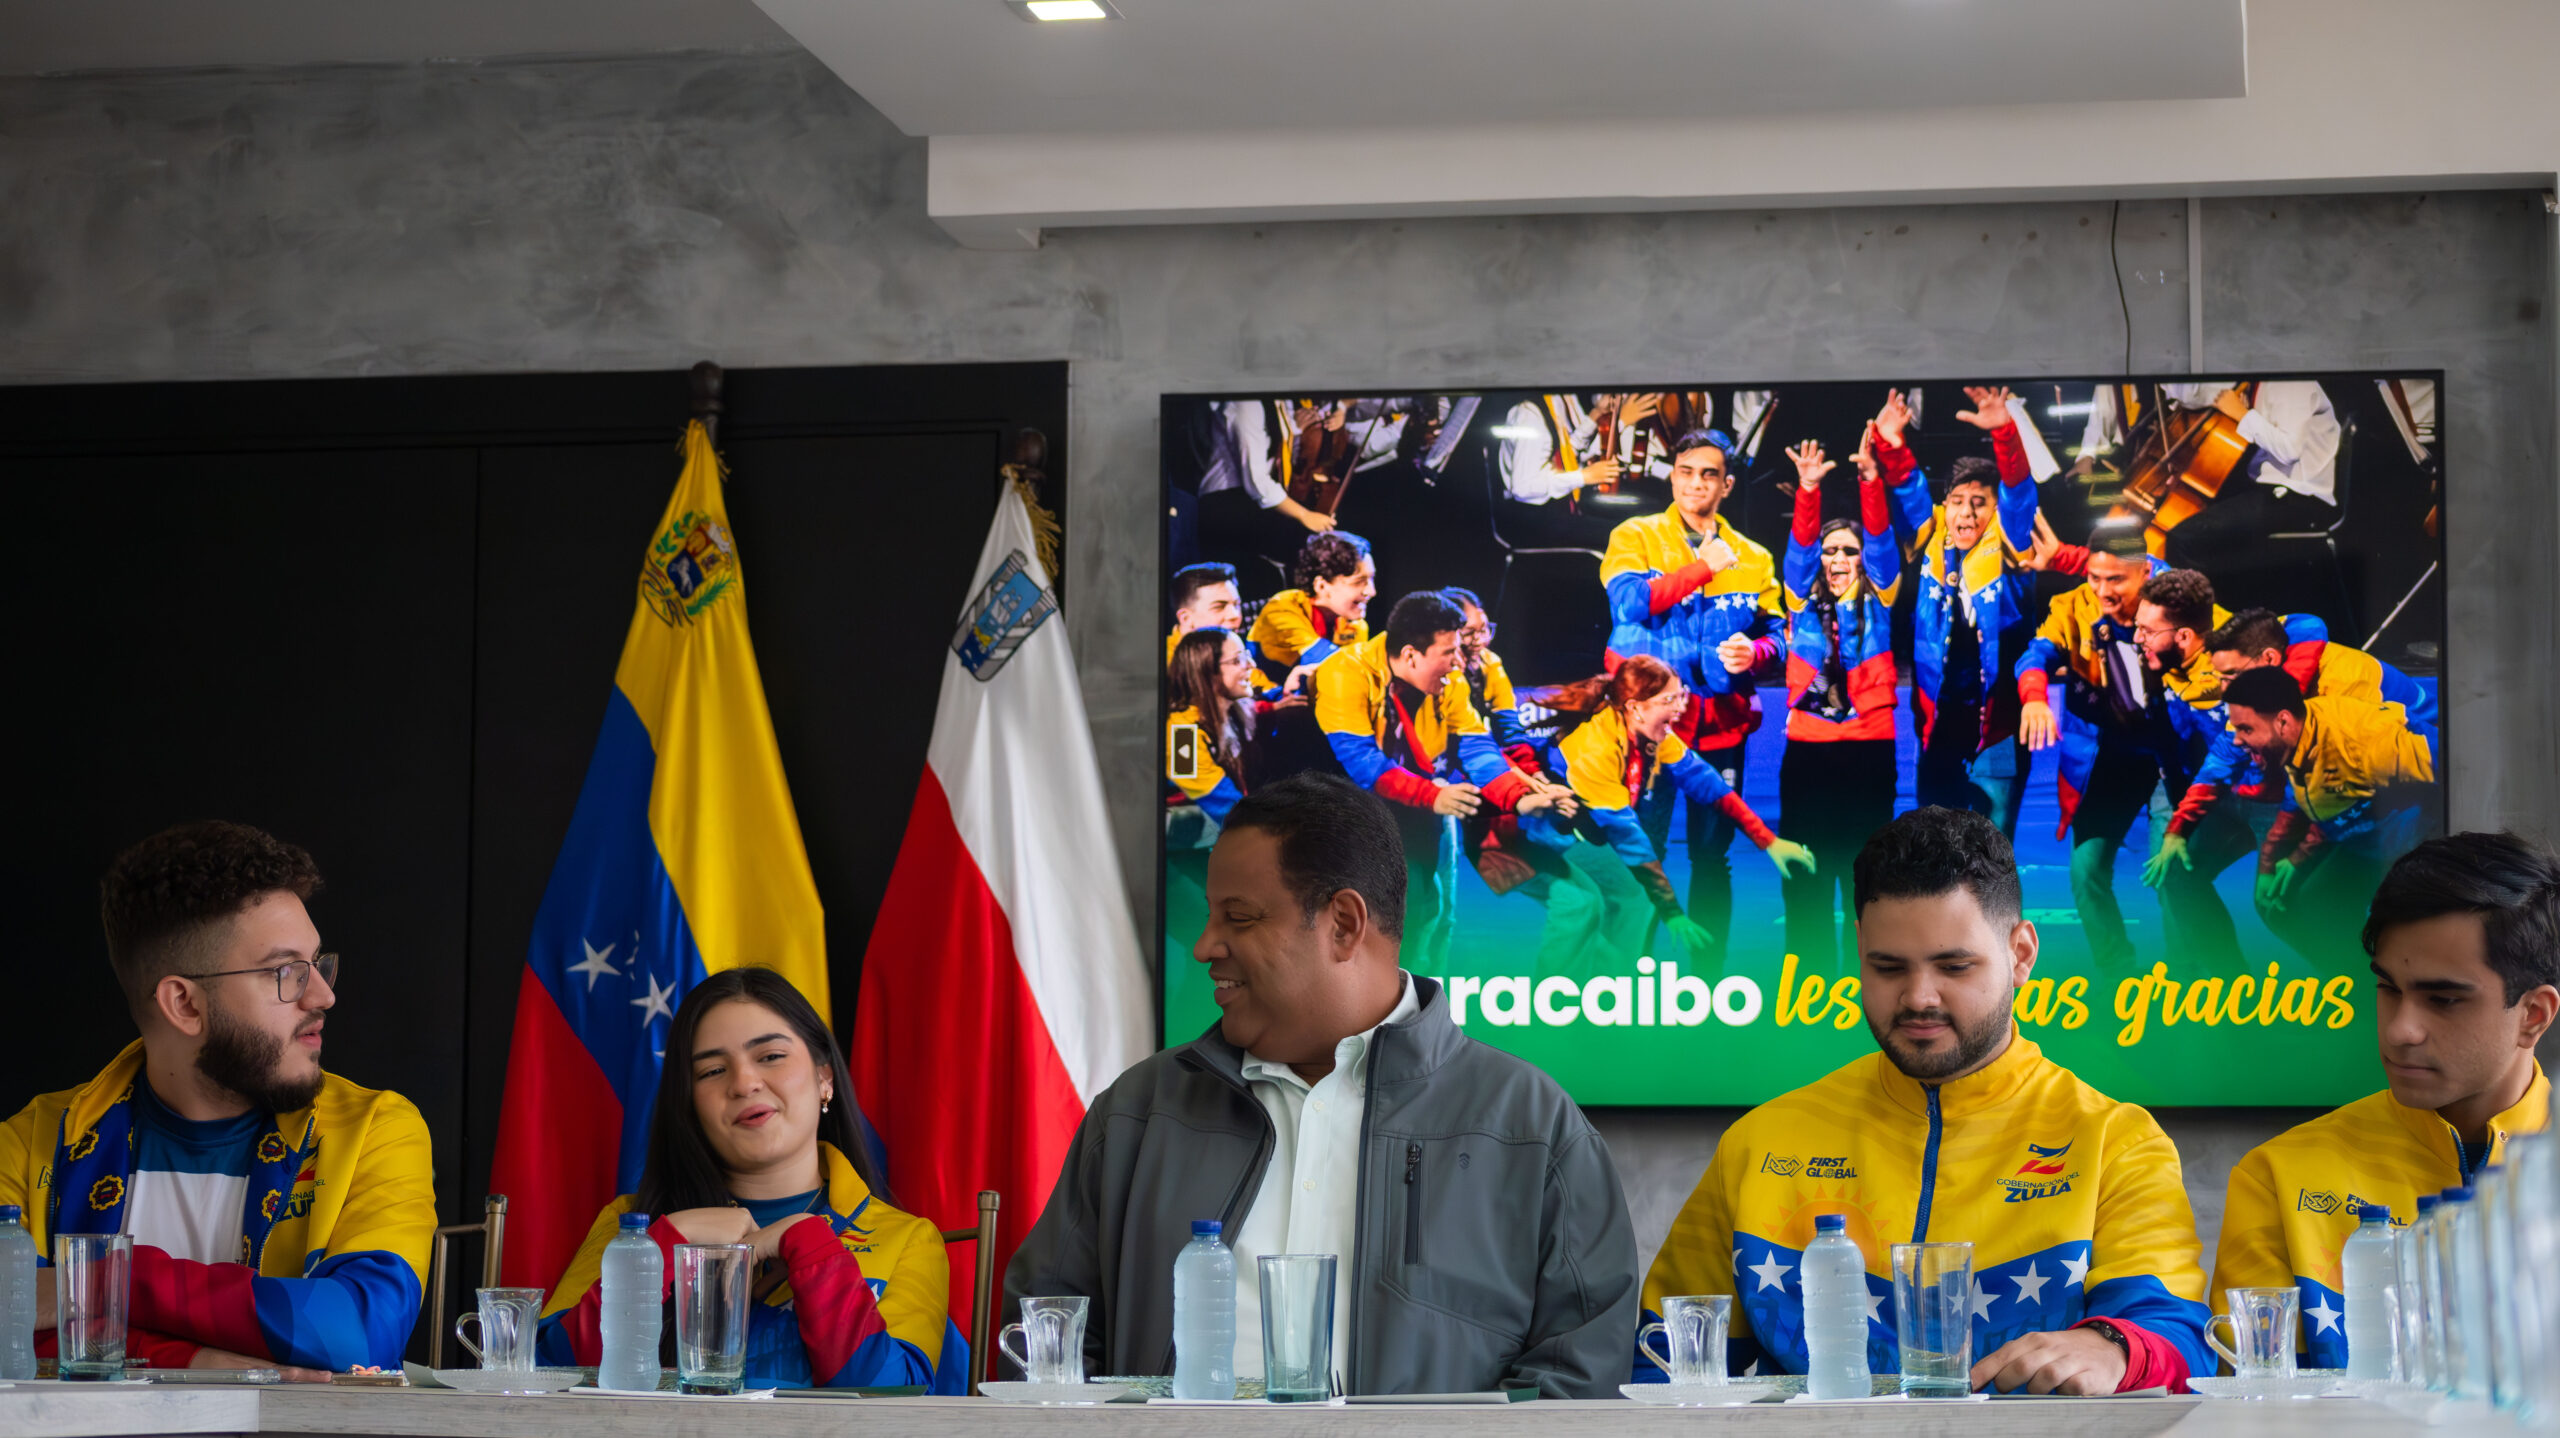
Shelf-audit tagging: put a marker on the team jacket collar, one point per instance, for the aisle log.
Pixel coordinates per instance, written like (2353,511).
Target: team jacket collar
(2195,681)
(847,1194)
(1680,527)
(1996,1083)
(2531,1114)
(114,1084)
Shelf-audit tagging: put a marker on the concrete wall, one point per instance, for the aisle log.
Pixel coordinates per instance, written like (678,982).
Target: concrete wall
(644,213)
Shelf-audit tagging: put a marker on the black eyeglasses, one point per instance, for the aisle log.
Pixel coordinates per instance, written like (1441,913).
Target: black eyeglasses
(1849,550)
(293,978)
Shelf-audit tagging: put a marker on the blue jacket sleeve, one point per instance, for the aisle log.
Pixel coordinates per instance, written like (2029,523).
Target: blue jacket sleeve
(2304,628)
(1360,757)
(2143,1299)
(1912,508)
(1219,800)
(1481,758)
(885,1362)
(1698,783)
(354,1308)
(2223,759)
(1803,567)
(2043,655)
(1631,598)
(1625,837)
(2018,512)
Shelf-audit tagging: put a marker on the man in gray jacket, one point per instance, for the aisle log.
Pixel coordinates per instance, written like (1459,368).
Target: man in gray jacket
(1481,1236)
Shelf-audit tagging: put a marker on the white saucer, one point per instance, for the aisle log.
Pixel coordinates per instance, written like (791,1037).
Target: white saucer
(1698,1395)
(2299,1386)
(540,1380)
(1055,1395)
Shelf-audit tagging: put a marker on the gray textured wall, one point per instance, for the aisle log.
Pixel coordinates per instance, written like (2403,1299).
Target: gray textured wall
(640,214)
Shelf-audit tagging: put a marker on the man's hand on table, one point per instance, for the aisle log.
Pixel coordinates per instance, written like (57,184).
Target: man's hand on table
(218,1358)
(2074,1360)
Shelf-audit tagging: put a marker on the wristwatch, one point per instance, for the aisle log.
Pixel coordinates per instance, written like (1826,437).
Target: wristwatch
(2112,1334)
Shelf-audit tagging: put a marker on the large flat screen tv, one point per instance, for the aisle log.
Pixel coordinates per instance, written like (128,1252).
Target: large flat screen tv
(2039,599)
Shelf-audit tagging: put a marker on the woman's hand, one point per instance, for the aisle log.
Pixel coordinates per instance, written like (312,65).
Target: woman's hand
(768,1239)
(1811,464)
(713,1225)
(1790,857)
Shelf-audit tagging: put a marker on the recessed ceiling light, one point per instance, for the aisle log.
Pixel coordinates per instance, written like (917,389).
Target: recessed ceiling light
(1064,9)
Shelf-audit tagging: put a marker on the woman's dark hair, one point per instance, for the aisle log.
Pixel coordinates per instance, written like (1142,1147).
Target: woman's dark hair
(2510,881)
(682,1171)
(1191,681)
(1334,554)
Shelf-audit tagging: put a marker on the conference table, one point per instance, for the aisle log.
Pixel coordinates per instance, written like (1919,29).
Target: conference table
(51,1410)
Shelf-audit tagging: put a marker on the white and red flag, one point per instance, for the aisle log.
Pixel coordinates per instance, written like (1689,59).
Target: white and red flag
(1003,987)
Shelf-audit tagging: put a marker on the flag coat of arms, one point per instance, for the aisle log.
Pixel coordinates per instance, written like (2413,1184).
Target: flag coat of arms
(1003,987)
(683,858)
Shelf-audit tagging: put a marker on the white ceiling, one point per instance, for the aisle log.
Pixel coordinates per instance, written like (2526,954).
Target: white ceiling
(971,67)
(46,36)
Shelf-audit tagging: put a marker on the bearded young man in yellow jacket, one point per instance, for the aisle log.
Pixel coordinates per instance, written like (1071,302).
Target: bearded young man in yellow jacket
(2084,1248)
(280,1215)
(2465,937)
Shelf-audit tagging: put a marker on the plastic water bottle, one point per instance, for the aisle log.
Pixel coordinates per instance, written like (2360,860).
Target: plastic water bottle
(17,1296)
(2464,1315)
(2371,1276)
(1835,1312)
(635,1291)
(1204,1315)
(2423,1297)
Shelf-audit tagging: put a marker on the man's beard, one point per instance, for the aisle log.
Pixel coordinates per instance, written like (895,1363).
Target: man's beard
(243,1060)
(1972,1045)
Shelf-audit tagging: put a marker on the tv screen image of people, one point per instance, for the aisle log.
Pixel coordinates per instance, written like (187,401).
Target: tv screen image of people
(1636,673)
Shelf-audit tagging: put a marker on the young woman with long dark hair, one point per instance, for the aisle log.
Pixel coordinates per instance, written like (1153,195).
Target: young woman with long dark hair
(1836,779)
(756,1138)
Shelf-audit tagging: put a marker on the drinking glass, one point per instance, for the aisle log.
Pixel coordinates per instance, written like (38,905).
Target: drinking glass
(2533,1173)
(507,1318)
(2498,1250)
(93,1280)
(1297,1327)
(2262,1331)
(1052,1333)
(1933,1317)
(711,1315)
(1693,1337)
(2408,1261)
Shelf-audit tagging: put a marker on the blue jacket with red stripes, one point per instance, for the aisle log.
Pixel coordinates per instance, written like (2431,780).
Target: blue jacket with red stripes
(1864,625)
(1987,576)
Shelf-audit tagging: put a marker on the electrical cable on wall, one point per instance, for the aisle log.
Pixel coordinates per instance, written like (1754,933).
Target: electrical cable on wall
(2116,263)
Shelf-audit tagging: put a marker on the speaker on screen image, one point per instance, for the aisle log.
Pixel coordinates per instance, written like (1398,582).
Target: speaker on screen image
(1639,672)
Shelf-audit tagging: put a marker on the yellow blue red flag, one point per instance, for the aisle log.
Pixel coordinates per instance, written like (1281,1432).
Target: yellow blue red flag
(683,858)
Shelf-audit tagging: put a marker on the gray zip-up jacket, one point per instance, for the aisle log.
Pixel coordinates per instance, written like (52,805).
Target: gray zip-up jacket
(1493,1242)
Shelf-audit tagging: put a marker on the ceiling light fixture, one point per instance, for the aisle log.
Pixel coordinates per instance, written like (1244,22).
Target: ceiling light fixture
(1064,9)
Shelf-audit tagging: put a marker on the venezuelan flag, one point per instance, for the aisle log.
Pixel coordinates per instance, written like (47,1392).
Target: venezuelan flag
(683,857)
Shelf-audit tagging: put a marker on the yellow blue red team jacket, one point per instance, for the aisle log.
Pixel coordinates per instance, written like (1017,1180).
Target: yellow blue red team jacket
(2072,1201)
(1293,629)
(341,1210)
(1611,773)
(2293,1199)
(2355,770)
(865,1305)
(1663,602)
(1402,750)
(1192,773)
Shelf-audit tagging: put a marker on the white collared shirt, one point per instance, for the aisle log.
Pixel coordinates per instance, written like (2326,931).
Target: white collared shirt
(1310,1194)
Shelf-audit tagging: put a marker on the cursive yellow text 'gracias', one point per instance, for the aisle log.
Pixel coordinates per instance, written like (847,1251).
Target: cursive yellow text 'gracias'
(2245,999)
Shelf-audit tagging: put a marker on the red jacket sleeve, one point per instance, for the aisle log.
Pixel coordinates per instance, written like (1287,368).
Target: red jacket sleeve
(212,1303)
(1400,785)
(1808,521)
(2302,661)
(1875,508)
(2070,559)
(2010,453)
(1669,589)
(141,1346)
(1732,807)
(1504,792)
(2198,802)
(2032,686)
(830,1299)
(1896,461)
(2151,1361)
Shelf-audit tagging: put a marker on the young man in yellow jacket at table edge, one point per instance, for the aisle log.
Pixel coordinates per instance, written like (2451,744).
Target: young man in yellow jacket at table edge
(2465,937)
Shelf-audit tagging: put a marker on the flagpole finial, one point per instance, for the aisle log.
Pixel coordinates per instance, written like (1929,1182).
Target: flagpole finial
(706,397)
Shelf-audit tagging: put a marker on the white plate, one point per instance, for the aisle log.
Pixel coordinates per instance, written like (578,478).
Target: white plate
(1698,1395)
(1055,1395)
(2299,1386)
(540,1380)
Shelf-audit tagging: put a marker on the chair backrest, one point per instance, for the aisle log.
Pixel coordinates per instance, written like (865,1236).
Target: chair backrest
(492,1229)
(982,1298)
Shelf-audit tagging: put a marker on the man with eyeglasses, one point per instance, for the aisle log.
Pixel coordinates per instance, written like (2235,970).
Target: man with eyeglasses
(280,1215)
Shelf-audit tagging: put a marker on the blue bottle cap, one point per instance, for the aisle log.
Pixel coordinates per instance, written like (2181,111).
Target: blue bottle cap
(11,1213)
(635,1220)
(2373,1213)
(2459,1193)
(2487,1169)
(1204,1227)
(2427,1203)
(1831,1223)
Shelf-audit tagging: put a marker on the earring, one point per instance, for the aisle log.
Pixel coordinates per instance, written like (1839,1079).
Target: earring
(824,1103)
